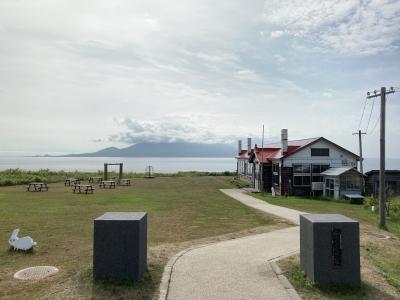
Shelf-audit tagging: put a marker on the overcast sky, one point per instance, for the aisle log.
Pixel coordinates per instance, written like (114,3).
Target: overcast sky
(78,76)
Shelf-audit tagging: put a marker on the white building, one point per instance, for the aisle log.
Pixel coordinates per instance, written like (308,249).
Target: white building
(293,167)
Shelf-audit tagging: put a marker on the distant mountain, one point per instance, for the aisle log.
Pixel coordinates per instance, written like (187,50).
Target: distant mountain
(164,150)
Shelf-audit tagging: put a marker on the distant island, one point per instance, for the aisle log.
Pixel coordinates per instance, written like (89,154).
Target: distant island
(162,150)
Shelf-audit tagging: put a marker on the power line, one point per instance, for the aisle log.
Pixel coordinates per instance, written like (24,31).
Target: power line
(362,115)
(370,114)
(376,123)
(377,120)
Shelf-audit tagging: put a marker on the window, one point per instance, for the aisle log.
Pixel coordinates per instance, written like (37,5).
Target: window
(350,183)
(301,168)
(300,180)
(275,179)
(316,172)
(301,175)
(317,178)
(275,174)
(324,168)
(297,180)
(319,151)
(317,169)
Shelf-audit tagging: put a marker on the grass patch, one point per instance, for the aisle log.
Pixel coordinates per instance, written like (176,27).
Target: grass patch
(360,213)
(308,290)
(383,254)
(182,211)
(239,183)
(18,176)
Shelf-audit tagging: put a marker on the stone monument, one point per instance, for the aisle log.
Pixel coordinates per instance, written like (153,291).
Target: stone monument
(120,245)
(330,249)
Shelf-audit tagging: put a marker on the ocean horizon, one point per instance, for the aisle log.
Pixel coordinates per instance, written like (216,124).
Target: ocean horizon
(138,164)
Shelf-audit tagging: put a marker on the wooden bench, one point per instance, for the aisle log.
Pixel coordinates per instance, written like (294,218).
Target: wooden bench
(95,179)
(124,182)
(36,187)
(70,181)
(107,184)
(83,188)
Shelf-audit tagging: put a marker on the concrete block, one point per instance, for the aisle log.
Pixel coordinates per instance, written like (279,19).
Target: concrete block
(330,249)
(120,245)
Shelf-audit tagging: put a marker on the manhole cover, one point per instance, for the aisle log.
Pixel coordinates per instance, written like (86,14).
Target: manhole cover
(379,235)
(35,273)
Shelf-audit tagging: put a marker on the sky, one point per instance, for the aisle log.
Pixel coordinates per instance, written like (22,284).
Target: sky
(79,76)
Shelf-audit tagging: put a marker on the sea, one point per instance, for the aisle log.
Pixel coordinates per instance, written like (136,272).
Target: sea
(131,164)
(138,164)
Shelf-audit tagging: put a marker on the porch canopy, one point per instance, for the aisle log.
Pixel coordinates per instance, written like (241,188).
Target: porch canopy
(342,182)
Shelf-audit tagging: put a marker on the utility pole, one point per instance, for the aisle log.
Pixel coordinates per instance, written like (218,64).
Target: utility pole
(262,160)
(382,191)
(359,133)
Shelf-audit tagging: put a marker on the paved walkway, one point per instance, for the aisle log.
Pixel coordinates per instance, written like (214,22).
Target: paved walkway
(283,212)
(239,268)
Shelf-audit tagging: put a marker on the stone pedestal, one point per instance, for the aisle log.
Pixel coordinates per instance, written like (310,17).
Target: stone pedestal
(330,249)
(120,245)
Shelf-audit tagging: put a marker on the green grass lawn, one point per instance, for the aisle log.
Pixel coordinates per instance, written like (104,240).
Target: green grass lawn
(181,211)
(383,254)
(317,205)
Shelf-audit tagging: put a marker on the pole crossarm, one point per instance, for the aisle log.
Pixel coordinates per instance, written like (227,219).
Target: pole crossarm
(378,94)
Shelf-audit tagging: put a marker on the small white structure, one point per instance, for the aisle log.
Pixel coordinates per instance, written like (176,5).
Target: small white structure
(24,243)
(342,182)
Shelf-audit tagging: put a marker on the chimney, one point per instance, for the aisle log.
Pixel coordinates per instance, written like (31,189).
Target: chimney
(284,140)
(248,145)
(239,146)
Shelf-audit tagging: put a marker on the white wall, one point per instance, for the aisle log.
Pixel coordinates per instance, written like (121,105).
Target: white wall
(337,156)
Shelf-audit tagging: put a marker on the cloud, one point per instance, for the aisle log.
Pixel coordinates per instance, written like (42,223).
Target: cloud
(204,71)
(97,140)
(279,58)
(344,26)
(328,93)
(171,130)
(277,33)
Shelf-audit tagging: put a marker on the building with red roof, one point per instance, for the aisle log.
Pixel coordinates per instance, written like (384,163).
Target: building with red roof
(292,167)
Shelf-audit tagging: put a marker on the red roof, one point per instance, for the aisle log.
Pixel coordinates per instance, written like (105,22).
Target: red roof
(243,154)
(268,154)
(272,152)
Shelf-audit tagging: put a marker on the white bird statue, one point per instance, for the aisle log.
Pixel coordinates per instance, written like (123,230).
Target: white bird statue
(24,243)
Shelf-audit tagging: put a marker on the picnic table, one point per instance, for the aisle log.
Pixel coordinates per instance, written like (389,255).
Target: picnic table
(125,182)
(95,179)
(70,181)
(83,188)
(36,187)
(107,184)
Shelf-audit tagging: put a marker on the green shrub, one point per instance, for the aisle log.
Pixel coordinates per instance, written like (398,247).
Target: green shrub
(18,176)
(371,201)
(394,206)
